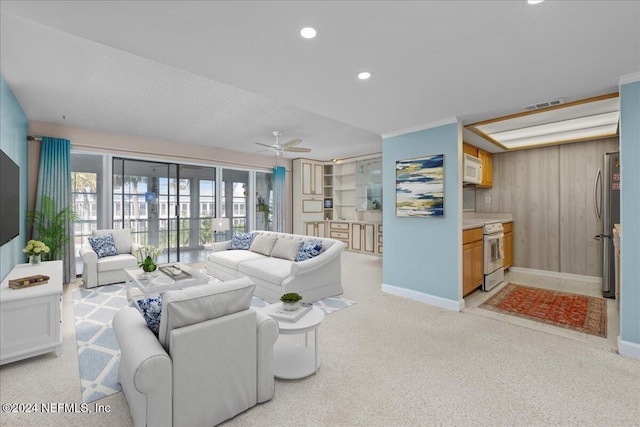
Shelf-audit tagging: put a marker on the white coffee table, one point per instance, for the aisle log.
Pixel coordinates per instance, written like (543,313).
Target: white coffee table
(160,282)
(293,361)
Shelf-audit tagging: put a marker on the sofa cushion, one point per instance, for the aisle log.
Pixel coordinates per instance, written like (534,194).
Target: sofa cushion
(103,246)
(309,249)
(242,240)
(272,270)
(151,309)
(117,262)
(197,304)
(121,236)
(263,244)
(286,249)
(231,259)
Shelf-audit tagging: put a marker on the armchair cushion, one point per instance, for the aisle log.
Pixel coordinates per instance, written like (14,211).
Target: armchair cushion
(103,246)
(309,249)
(151,309)
(200,303)
(121,237)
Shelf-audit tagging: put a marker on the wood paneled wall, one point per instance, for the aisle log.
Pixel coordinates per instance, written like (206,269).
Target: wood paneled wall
(549,191)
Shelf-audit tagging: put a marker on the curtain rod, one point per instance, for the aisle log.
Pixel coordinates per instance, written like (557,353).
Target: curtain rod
(34,138)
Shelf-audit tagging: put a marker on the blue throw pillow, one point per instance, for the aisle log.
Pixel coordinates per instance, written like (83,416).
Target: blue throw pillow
(103,246)
(151,309)
(242,240)
(309,249)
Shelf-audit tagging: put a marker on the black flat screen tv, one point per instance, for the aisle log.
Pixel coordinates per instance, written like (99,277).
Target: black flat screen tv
(9,199)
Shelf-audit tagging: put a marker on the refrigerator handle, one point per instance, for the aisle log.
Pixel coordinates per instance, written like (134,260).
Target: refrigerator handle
(598,178)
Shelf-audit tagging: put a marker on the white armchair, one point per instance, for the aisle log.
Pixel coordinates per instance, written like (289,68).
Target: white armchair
(103,271)
(212,359)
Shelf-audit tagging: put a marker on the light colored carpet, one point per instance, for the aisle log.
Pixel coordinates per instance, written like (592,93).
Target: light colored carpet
(392,361)
(98,350)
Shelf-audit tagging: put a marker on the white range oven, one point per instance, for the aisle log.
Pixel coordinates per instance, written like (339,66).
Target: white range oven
(493,243)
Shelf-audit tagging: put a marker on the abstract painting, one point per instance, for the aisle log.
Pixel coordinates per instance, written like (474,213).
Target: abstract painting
(420,187)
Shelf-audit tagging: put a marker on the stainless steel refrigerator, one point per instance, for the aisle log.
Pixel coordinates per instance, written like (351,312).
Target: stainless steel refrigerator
(606,203)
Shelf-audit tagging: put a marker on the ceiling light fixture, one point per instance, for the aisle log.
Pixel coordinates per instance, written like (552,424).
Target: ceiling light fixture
(364,75)
(591,118)
(308,32)
(534,1)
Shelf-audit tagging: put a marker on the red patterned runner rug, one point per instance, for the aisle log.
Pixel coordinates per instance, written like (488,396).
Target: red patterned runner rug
(577,312)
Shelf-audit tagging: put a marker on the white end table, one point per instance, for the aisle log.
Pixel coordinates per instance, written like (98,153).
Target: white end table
(31,318)
(293,361)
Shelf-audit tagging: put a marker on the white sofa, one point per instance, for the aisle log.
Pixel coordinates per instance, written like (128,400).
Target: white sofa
(212,359)
(313,279)
(104,271)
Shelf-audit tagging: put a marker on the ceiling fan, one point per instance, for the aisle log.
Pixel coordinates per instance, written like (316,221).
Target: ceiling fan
(290,146)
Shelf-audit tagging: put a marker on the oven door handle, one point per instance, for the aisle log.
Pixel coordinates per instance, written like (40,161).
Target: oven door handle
(494,236)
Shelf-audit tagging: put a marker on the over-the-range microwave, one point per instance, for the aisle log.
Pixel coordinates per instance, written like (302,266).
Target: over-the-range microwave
(472,170)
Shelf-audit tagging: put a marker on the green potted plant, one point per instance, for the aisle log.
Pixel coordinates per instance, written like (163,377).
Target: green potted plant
(51,226)
(290,301)
(147,258)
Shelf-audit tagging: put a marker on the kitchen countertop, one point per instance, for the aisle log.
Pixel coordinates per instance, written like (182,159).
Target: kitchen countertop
(476,220)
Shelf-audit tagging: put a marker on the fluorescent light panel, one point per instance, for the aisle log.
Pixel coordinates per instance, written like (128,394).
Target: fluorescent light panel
(571,123)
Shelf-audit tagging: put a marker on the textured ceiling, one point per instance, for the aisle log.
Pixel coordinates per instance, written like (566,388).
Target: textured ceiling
(225,74)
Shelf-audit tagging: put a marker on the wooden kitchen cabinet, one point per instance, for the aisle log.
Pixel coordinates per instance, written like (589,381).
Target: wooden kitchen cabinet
(469,149)
(508,244)
(472,260)
(487,169)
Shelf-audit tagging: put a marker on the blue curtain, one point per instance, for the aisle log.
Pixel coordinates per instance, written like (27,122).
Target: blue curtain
(279,173)
(54,181)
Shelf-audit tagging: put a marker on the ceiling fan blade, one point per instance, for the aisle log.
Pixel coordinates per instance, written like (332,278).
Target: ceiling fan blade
(292,143)
(266,145)
(298,149)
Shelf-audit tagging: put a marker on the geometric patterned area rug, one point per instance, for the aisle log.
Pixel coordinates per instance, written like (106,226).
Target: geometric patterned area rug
(98,351)
(571,311)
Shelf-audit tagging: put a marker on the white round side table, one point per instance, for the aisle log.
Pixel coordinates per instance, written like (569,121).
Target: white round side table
(293,361)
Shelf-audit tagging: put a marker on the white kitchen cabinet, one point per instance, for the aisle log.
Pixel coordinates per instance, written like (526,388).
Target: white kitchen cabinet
(312,178)
(356,236)
(31,318)
(308,193)
(316,229)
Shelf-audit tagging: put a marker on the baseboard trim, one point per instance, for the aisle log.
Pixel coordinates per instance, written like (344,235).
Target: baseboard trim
(628,349)
(422,297)
(559,275)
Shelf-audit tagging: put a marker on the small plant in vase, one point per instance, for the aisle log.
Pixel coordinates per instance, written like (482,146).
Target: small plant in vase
(290,301)
(148,258)
(35,249)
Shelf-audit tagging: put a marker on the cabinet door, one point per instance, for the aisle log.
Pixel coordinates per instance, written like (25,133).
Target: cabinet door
(477,263)
(307,179)
(467,272)
(321,229)
(469,149)
(487,168)
(356,237)
(317,186)
(310,228)
(312,206)
(508,250)
(370,238)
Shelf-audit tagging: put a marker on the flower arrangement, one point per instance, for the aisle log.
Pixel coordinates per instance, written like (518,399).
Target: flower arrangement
(291,301)
(148,257)
(34,249)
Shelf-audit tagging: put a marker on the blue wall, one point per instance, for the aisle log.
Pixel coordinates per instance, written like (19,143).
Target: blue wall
(630,214)
(14,129)
(422,256)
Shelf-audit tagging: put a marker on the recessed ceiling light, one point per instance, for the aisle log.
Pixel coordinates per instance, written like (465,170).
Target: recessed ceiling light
(308,32)
(534,1)
(364,75)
